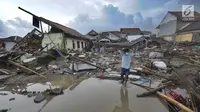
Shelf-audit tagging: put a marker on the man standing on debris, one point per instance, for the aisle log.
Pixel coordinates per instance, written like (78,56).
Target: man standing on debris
(126,64)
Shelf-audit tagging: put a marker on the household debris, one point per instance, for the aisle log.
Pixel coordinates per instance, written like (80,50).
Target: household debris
(153,65)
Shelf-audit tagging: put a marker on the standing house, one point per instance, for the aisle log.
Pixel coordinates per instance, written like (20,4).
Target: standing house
(173,24)
(63,37)
(92,35)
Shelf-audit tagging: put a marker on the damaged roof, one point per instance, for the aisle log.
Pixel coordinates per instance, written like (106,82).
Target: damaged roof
(178,14)
(116,33)
(125,44)
(65,29)
(92,32)
(193,26)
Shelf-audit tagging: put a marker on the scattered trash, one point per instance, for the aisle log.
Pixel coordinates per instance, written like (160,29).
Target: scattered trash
(82,66)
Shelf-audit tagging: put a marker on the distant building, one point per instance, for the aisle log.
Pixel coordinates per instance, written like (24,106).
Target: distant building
(130,31)
(9,42)
(112,36)
(92,35)
(172,27)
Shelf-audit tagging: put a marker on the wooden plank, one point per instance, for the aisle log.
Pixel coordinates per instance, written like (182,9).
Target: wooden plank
(21,66)
(181,106)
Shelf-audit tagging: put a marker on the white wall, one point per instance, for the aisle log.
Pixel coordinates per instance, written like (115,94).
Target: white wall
(9,45)
(168,25)
(70,41)
(168,28)
(60,40)
(167,18)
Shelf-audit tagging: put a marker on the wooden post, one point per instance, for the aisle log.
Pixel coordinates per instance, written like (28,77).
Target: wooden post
(41,26)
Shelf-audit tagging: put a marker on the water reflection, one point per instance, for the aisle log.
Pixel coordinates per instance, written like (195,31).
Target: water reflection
(124,101)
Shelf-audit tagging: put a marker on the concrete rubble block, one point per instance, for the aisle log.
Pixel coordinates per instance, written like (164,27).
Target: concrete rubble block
(38,68)
(160,65)
(156,55)
(39,98)
(82,66)
(82,56)
(29,60)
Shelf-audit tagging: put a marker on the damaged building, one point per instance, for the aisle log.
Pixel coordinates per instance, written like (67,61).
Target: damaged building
(9,42)
(174,28)
(59,36)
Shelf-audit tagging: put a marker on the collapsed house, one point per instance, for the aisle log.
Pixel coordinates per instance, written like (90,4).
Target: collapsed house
(9,42)
(59,36)
(174,28)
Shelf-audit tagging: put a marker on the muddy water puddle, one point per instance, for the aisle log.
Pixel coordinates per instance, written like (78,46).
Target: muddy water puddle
(89,95)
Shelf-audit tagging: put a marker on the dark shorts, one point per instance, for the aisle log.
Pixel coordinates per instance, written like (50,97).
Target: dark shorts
(125,71)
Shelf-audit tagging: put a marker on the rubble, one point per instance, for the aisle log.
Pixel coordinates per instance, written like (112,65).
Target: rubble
(39,98)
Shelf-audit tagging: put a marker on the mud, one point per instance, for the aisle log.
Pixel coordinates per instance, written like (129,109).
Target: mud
(86,95)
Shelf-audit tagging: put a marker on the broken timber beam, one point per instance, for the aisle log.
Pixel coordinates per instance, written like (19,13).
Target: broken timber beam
(150,92)
(143,86)
(87,62)
(153,91)
(21,66)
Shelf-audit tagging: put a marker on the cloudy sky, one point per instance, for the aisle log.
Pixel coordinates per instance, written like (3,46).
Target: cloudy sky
(84,15)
